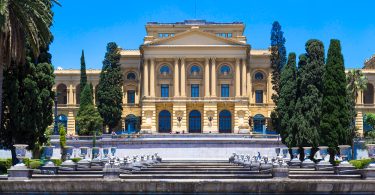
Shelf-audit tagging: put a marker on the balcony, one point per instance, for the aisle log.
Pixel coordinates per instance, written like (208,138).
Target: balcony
(194,99)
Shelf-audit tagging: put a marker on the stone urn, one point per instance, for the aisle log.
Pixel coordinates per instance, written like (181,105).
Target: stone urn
(295,161)
(85,162)
(307,163)
(96,162)
(48,153)
(344,153)
(324,163)
(105,155)
(20,170)
(369,171)
(278,150)
(68,164)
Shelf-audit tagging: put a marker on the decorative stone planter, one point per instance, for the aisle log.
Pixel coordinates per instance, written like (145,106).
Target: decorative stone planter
(369,171)
(49,167)
(20,171)
(295,162)
(68,165)
(83,164)
(324,164)
(344,167)
(113,151)
(307,163)
(95,162)
(105,156)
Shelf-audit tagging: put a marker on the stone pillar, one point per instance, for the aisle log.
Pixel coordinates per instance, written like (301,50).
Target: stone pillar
(70,95)
(238,77)
(152,78)
(94,94)
(145,80)
(207,79)
(71,126)
(359,122)
(183,78)
(213,77)
(249,84)
(269,89)
(176,78)
(244,90)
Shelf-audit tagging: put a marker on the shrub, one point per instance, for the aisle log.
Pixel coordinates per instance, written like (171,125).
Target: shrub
(57,162)
(34,164)
(76,159)
(360,164)
(5,164)
(26,161)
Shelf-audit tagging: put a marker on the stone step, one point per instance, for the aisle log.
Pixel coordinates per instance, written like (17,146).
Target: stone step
(79,172)
(195,176)
(196,169)
(67,176)
(195,172)
(196,161)
(301,169)
(320,176)
(194,166)
(311,172)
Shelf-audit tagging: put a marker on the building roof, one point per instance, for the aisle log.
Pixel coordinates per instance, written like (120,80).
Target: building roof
(370,63)
(130,52)
(194,23)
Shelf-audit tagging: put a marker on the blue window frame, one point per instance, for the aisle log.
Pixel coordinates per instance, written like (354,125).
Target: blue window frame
(259,96)
(224,90)
(62,119)
(131,97)
(258,76)
(164,69)
(259,123)
(225,122)
(195,69)
(225,69)
(194,90)
(195,122)
(164,122)
(130,76)
(164,90)
(131,124)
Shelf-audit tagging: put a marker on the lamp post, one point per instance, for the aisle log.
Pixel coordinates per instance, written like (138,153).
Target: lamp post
(56,127)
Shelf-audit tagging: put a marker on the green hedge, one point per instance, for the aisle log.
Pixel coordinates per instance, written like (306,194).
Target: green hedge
(35,164)
(5,164)
(57,162)
(76,159)
(360,164)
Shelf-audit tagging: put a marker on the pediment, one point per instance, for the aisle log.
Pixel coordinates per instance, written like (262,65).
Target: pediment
(195,38)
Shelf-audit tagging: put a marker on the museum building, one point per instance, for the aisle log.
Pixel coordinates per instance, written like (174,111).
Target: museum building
(187,77)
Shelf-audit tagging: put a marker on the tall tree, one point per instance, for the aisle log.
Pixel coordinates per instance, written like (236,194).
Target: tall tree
(287,99)
(83,81)
(28,100)
(88,118)
(109,90)
(278,58)
(335,119)
(308,106)
(22,22)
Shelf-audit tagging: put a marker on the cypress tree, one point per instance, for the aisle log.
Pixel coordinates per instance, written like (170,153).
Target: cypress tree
(83,80)
(309,101)
(88,117)
(286,104)
(278,58)
(109,89)
(335,125)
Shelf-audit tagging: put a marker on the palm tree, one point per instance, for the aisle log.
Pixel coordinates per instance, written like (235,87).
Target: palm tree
(23,22)
(356,82)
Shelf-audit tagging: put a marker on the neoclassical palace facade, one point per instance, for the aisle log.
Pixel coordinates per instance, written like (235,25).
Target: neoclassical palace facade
(187,77)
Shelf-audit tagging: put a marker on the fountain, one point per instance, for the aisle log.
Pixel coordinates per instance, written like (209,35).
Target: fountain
(307,162)
(20,171)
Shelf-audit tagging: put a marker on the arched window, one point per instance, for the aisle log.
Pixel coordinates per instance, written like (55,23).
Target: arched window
(61,94)
(259,123)
(259,76)
(63,120)
(131,123)
(165,121)
(130,76)
(164,69)
(368,94)
(225,69)
(195,69)
(225,122)
(195,122)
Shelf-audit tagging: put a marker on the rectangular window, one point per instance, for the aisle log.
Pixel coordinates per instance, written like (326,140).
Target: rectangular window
(259,96)
(224,90)
(229,35)
(160,35)
(194,90)
(131,97)
(164,90)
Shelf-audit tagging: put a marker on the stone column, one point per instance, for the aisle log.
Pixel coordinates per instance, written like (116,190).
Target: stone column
(152,78)
(238,77)
(94,94)
(70,95)
(207,79)
(183,78)
(244,91)
(145,80)
(213,77)
(176,78)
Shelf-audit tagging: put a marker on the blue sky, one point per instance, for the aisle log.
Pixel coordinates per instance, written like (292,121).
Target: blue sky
(90,25)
